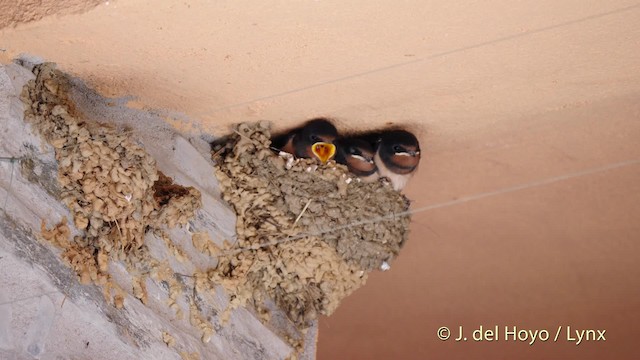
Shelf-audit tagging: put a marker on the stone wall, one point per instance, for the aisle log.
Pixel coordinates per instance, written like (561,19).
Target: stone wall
(44,310)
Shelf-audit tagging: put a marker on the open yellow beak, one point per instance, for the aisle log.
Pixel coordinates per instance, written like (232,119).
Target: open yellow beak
(323,151)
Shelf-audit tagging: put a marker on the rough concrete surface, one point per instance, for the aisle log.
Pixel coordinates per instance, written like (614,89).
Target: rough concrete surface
(23,11)
(48,314)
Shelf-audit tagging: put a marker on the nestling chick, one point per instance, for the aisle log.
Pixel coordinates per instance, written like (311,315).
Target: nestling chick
(357,154)
(397,156)
(308,141)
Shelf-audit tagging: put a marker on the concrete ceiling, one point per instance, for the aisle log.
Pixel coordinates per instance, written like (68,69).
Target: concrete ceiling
(529,117)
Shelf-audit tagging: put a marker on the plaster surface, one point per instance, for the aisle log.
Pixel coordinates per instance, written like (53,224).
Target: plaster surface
(528,113)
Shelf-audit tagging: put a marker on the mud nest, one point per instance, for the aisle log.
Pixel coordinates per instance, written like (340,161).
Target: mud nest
(109,183)
(307,233)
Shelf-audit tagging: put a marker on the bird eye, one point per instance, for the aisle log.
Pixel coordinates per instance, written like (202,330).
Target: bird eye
(398,149)
(315,138)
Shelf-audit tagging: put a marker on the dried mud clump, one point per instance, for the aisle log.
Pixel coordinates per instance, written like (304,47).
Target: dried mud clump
(110,184)
(305,232)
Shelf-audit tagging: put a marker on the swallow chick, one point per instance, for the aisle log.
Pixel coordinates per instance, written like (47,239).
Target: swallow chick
(358,155)
(397,156)
(314,139)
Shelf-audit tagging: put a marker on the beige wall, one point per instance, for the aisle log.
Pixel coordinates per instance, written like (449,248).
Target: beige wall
(528,113)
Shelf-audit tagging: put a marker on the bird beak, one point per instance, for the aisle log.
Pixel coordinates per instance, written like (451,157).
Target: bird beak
(323,151)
